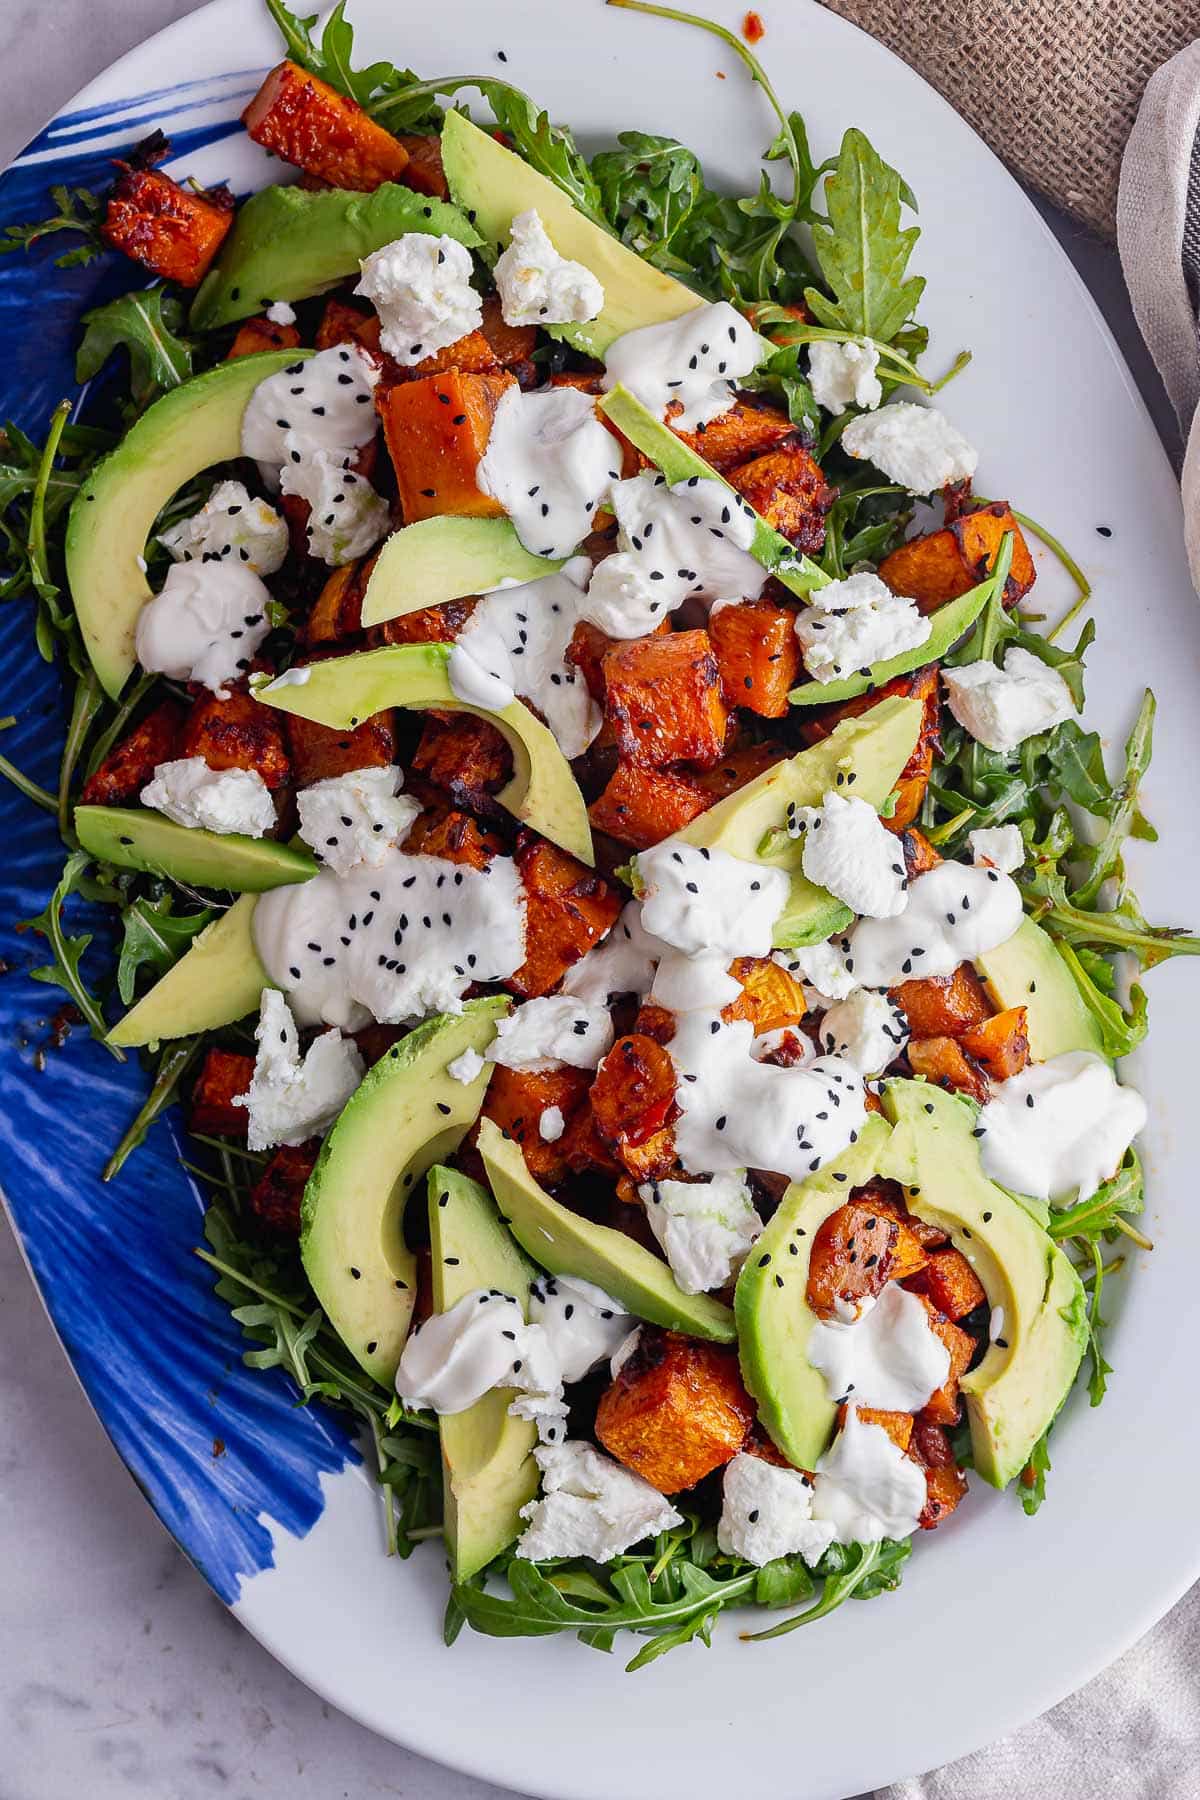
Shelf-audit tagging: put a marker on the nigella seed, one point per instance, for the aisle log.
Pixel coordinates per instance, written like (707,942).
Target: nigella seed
(1029,1101)
(779,1281)
(752,1517)
(442,1108)
(764,1259)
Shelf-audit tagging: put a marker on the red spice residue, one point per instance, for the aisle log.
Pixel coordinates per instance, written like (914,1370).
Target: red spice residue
(753,28)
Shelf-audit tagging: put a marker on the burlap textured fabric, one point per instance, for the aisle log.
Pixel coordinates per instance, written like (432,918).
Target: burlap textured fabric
(1051,85)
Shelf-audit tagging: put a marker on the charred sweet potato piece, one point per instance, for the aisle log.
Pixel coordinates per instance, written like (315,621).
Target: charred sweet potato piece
(516,1100)
(567,910)
(337,611)
(898,1425)
(677,1411)
(428,625)
(308,123)
(942,1407)
(941,1060)
(343,323)
(511,344)
(463,754)
(945,1482)
(584,1150)
(770,997)
(640,806)
(276,1195)
(857,1250)
(656,1022)
(886,1198)
(257,335)
(919,854)
(943,564)
(786,487)
(950,1283)
(437,431)
(633,1103)
(1000,1044)
(319,751)
(456,836)
(758,655)
(744,432)
(170,230)
(588,648)
(237,733)
(130,764)
(943,1005)
(223,1075)
(424,171)
(663,700)
(736,768)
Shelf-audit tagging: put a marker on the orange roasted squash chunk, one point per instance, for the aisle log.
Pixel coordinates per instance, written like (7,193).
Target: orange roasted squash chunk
(127,768)
(257,335)
(743,432)
(454,835)
(424,171)
(640,807)
(516,1100)
(945,1483)
(758,655)
(337,610)
(308,123)
(663,700)
(319,751)
(568,908)
(237,733)
(224,1074)
(170,230)
(633,1104)
(276,1195)
(943,1005)
(942,1061)
(770,997)
(737,767)
(463,754)
(787,489)
(942,1407)
(857,1249)
(676,1411)
(1000,1044)
(428,625)
(944,564)
(949,1281)
(437,431)
(898,1425)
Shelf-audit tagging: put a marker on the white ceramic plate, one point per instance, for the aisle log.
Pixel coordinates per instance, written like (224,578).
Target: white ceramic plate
(999,1616)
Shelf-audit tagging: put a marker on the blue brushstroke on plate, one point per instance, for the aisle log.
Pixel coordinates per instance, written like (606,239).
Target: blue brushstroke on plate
(157,1353)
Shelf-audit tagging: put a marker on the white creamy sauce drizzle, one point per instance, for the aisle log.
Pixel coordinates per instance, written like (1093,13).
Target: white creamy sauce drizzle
(205,624)
(709,903)
(954,914)
(582,1323)
(454,1358)
(623,963)
(694,359)
(325,402)
(887,1357)
(1060,1128)
(550,463)
(550,1031)
(866,1487)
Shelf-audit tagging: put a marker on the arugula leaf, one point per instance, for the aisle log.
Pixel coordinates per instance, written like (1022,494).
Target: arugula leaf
(1031,1484)
(173,1064)
(1101,1214)
(154,936)
(1104,859)
(329,57)
(147,324)
(849,1570)
(68,952)
(79,211)
(1120,1031)
(862,249)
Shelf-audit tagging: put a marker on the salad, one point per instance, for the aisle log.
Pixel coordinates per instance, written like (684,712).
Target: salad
(600,838)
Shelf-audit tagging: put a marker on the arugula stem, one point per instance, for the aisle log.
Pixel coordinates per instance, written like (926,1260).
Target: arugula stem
(248,1282)
(941,833)
(86,704)
(1064,556)
(837,1589)
(794,333)
(121,718)
(171,1068)
(1123,1225)
(31,790)
(36,542)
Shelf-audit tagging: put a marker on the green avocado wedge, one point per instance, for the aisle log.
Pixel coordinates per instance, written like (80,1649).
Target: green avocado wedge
(488,1471)
(862,756)
(1039,1309)
(1028,971)
(568,1244)
(408,1114)
(773,1316)
(187,431)
(492,185)
(948,624)
(678,462)
(137,838)
(543,793)
(447,558)
(288,243)
(218,980)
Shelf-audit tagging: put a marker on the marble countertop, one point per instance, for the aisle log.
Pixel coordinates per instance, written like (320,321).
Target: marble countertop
(119,1671)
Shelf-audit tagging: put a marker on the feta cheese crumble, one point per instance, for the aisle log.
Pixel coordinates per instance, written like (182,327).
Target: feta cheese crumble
(322,402)
(205,624)
(280,313)
(849,851)
(482,1342)
(551,1124)
(822,968)
(705,1228)
(848,625)
(466,1068)
(866,1030)
(292,1098)
(954,914)
(537,286)
(1001,707)
(915,446)
(843,375)
(552,1030)
(888,1357)
(694,359)
(230,523)
(997,847)
(1059,1129)
(421,288)
(582,1323)
(590,1506)
(346,516)
(549,462)
(204,799)
(351,819)
(866,1487)
(707,902)
(766,1512)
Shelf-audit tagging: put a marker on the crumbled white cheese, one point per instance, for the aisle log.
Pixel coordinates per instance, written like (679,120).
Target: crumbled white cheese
(694,359)
(705,1228)
(622,964)
(849,850)
(889,1356)
(850,624)
(866,1487)
(915,446)
(624,1351)
(356,818)
(292,1098)
(766,1512)
(1059,1129)
(204,799)
(551,1124)
(230,523)
(550,463)
(421,288)
(998,847)
(466,1068)
(707,902)
(1001,707)
(205,624)
(547,1411)
(280,313)
(454,1358)
(323,402)
(590,1506)
(584,1325)
(537,286)
(346,516)
(552,1030)
(866,1030)
(955,913)
(822,968)
(843,375)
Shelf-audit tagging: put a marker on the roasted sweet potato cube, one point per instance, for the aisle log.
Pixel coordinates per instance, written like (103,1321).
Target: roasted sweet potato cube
(757,653)
(942,1061)
(943,1005)
(257,335)
(375,1040)
(736,768)
(654,1021)
(633,1103)
(319,751)
(337,611)
(424,171)
(787,489)
(745,431)
(463,754)
(568,908)
(855,1252)
(343,323)
(456,836)
(919,854)
(131,763)
(511,344)
(770,997)
(588,648)
(945,1482)
(898,1425)
(308,123)
(584,1150)
(663,700)
(170,230)
(516,1100)
(677,1411)
(949,1281)
(224,1074)
(887,1198)
(428,625)
(640,806)
(1000,1044)
(943,564)
(276,1196)
(942,1407)
(437,431)
(237,733)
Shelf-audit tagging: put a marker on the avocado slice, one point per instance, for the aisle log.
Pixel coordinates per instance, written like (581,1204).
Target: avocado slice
(1028,971)
(288,243)
(138,838)
(435,560)
(542,793)
(1014,1394)
(873,748)
(567,1244)
(678,463)
(218,980)
(113,514)
(408,1114)
(492,185)
(948,624)
(488,1471)
(774,1321)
